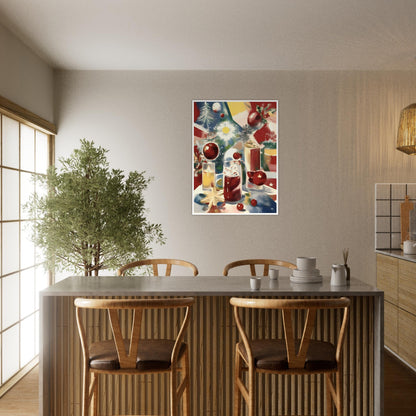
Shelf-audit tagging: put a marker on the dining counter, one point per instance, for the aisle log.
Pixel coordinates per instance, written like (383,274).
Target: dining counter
(211,336)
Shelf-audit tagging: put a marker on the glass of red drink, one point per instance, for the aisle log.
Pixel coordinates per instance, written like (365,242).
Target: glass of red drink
(232,181)
(252,160)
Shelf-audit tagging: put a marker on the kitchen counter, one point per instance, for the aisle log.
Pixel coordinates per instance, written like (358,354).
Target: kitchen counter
(398,254)
(200,286)
(212,335)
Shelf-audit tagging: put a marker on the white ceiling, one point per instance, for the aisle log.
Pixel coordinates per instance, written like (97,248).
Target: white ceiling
(217,34)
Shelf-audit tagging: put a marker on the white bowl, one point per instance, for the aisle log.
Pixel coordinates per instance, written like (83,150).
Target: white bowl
(306,263)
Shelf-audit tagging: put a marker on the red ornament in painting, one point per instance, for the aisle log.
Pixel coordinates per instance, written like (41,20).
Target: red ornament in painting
(254,118)
(259,178)
(211,150)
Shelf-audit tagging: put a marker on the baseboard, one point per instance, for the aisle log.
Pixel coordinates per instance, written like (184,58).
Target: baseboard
(18,376)
(400,359)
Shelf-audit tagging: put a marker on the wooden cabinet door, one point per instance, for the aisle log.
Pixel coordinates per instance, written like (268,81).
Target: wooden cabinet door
(387,277)
(407,286)
(391,326)
(407,337)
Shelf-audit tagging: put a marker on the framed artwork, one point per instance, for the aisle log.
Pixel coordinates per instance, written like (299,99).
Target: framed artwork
(235,157)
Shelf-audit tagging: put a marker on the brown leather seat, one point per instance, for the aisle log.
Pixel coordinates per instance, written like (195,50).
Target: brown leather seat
(152,355)
(270,354)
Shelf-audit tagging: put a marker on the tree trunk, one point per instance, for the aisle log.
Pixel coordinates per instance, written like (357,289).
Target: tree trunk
(97,247)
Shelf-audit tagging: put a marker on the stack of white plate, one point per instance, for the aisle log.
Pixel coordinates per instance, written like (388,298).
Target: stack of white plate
(306,271)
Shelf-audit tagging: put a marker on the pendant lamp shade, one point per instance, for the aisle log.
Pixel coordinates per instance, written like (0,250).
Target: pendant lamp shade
(406,136)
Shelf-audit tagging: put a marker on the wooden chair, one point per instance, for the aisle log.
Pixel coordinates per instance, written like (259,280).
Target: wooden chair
(252,263)
(155,263)
(131,355)
(289,355)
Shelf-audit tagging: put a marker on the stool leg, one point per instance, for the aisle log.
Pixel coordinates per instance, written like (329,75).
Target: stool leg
(328,393)
(85,391)
(173,397)
(237,376)
(339,388)
(251,391)
(94,381)
(186,392)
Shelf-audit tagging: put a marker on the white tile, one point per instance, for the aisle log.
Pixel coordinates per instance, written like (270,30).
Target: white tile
(383,240)
(395,207)
(411,190)
(398,191)
(395,225)
(383,224)
(396,240)
(382,191)
(382,208)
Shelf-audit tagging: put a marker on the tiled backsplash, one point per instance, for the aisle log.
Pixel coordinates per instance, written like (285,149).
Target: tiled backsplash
(389,196)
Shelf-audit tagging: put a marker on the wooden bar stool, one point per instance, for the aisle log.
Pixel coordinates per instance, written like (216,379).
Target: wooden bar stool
(129,354)
(266,263)
(289,355)
(157,262)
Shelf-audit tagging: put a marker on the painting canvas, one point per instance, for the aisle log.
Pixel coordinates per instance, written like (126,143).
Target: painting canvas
(235,157)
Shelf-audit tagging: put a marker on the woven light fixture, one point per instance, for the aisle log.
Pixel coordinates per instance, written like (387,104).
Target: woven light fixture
(406,136)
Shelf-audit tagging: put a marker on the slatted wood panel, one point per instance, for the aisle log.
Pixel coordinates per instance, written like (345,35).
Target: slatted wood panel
(212,336)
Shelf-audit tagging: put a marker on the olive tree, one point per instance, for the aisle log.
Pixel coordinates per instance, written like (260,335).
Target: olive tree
(91,217)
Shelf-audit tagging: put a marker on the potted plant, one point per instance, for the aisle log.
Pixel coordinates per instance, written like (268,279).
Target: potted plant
(91,218)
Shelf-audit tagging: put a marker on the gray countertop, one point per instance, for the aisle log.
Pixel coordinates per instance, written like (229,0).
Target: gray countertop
(201,286)
(398,254)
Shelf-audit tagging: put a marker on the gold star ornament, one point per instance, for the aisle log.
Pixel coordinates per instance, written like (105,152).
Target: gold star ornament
(213,197)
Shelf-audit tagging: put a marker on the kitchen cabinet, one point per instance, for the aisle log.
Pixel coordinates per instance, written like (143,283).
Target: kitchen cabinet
(396,276)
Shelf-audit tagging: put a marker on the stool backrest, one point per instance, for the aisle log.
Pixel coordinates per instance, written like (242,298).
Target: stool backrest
(155,263)
(127,356)
(296,356)
(253,262)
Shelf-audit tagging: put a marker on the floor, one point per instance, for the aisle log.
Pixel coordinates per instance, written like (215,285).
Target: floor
(399,388)
(399,392)
(22,399)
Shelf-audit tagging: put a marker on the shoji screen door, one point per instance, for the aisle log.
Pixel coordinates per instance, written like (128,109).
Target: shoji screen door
(25,152)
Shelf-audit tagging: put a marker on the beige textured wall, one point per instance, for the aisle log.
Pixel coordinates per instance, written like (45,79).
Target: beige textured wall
(336,140)
(25,78)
